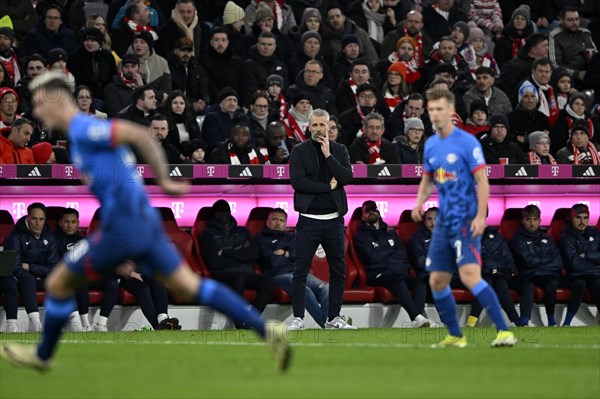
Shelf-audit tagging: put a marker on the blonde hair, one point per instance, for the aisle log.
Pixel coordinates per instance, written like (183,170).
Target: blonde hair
(91,23)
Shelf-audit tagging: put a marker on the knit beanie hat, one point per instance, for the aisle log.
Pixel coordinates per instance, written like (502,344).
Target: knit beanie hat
(464,28)
(413,123)
(307,35)
(311,13)
(405,39)
(221,206)
(232,13)
(274,79)
(299,97)
(575,96)
(5,90)
(399,67)
(579,125)
(226,92)
(527,86)
(349,38)
(55,55)
(6,31)
(263,11)
(145,36)
(476,33)
(535,137)
(41,152)
(523,11)
(91,34)
(478,105)
(499,120)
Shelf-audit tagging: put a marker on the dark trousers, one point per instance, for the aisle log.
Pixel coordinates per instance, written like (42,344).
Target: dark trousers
(10,291)
(526,285)
(500,285)
(28,285)
(150,295)
(110,292)
(419,292)
(577,285)
(309,234)
(397,285)
(239,282)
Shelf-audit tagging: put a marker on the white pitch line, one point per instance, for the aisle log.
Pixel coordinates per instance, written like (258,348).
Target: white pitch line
(313,344)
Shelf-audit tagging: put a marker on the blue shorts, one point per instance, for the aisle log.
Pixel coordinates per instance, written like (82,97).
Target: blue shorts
(142,241)
(449,251)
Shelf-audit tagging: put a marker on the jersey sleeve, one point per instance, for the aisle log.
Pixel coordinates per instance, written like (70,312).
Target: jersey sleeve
(428,168)
(92,133)
(474,155)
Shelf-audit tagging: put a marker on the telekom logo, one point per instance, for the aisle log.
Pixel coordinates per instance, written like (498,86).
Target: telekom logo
(555,170)
(177,208)
(69,170)
(431,204)
(280,171)
(488,171)
(282,205)
(19,209)
(210,171)
(140,171)
(419,170)
(74,205)
(383,207)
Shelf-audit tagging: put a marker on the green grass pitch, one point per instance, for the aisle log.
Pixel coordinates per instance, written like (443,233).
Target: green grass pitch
(370,363)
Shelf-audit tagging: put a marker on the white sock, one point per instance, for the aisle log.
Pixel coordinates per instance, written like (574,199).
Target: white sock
(85,320)
(420,318)
(161,317)
(12,326)
(34,318)
(102,321)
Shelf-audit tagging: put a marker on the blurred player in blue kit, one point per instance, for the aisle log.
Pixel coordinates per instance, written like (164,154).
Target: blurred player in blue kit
(131,229)
(454,162)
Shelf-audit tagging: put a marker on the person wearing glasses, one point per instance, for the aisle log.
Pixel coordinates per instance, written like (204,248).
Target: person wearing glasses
(83,97)
(371,148)
(9,102)
(49,33)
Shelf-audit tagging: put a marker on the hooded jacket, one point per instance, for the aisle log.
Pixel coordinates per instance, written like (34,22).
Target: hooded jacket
(496,257)
(40,253)
(231,240)
(380,251)
(269,241)
(535,254)
(581,251)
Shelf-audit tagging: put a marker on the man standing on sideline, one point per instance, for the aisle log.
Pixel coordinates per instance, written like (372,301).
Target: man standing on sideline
(319,170)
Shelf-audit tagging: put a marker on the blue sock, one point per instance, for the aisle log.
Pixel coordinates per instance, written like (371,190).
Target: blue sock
(522,321)
(56,316)
(446,306)
(221,298)
(568,319)
(551,320)
(489,301)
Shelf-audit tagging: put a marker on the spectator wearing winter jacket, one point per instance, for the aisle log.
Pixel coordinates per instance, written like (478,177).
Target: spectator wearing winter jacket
(181,118)
(477,123)
(410,145)
(538,262)
(496,100)
(221,64)
(13,148)
(447,54)
(385,259)
(580,248)
(67,236)
(92,65)
(487,15)
(37,254)
(265,23)
(238,149)
(142,106)
(22,15)
(418,248)
(579,149)
(117,94)
(571,46)
(513,36)
(371,148)
(352,119)
(222,117)
(497,147)
(498,267)
(136,19)
(539,145)
(346,93)
(49,33)
(439,18)
(526,118)
(310,49)
(283,16)
(575,110)
(313,86)
(262,63)
(229,250)
(411,26)
(277,257)
(414,107)
(153,68)
(188,75)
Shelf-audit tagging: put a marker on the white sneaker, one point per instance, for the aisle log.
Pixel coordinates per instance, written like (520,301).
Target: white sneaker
(340,323)
(98,327)
(88,328)
(296,324)
(530,324)
(420,322)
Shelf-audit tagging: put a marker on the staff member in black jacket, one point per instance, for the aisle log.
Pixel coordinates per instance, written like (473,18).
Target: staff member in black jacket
(319,170)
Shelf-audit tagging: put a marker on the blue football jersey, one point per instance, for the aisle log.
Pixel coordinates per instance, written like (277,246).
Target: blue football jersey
(110,169)
(452,161)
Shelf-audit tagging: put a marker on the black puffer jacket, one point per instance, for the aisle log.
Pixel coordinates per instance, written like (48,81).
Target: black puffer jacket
(493,151)
(222,70)
(95,70)
(581,251)
(380,250)
(535,254)
(190,79)
(269,241)
(255,72)
(495,254)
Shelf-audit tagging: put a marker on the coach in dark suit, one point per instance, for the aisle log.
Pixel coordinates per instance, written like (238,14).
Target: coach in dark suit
(319,169)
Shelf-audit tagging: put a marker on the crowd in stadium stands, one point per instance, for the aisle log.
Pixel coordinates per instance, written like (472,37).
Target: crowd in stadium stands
(234,82)
(523,266)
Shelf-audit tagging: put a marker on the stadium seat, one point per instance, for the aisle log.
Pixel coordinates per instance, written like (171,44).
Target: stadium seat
(462,295)
(202,218)
(406,227)
(53,215)
(257,219)
(168,218)
(95,222)
(126,298)
(7,225)
(558,222)
(562,295)
(598,224)
(511,220)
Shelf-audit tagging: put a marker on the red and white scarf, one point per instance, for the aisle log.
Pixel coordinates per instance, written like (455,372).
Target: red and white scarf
(127,82)
(418,57)
(11,64)
(254,160)
(283,109)
(392,100)
(548,103)
(374,152)
(140,28)
(277,11)
(516,45)
(293,129)
(353,87)
(534,158)
(591,152)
